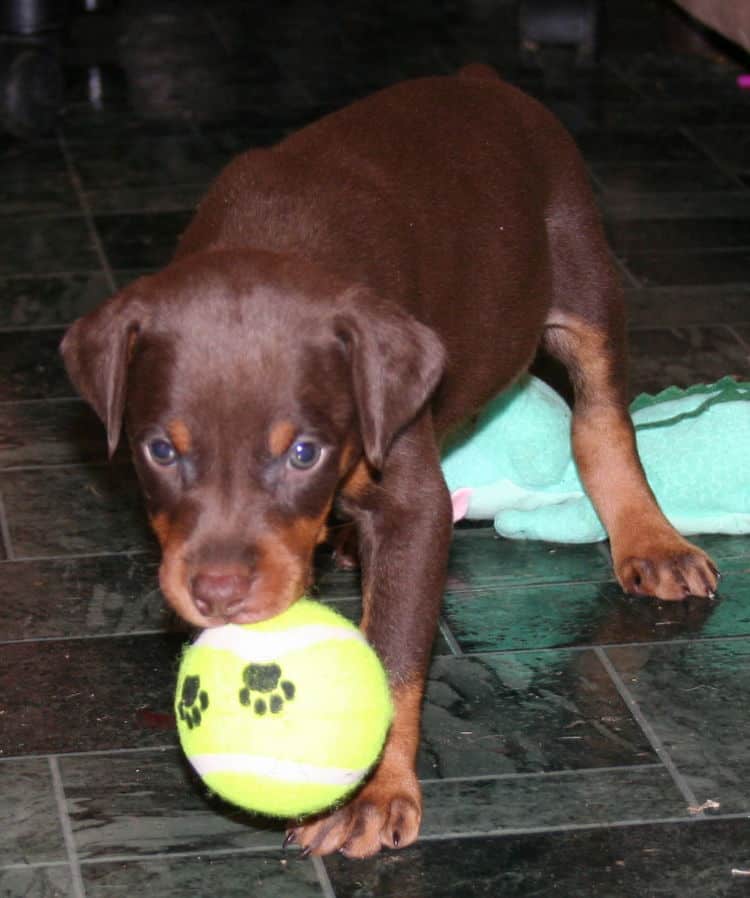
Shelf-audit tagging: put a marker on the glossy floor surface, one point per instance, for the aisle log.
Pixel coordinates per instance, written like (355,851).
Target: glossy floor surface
(576,742)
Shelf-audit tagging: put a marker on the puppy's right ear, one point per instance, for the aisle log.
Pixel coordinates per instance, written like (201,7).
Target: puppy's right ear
(97,350)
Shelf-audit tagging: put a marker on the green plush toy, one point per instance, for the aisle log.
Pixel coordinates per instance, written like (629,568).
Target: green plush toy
(516,466)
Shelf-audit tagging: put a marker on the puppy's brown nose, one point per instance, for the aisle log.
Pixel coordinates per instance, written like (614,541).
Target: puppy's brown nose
(219,594)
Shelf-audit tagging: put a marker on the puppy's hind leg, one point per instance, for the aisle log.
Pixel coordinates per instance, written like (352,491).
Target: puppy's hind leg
(586,331)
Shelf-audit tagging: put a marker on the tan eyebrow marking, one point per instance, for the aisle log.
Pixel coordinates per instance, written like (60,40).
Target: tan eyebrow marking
(280,437)
(180,436)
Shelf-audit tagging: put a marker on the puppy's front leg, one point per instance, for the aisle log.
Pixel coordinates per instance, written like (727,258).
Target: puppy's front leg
(404,524)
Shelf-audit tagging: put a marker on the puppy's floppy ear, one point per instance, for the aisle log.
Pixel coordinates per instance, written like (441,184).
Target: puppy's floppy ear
(96,351)
(396,364)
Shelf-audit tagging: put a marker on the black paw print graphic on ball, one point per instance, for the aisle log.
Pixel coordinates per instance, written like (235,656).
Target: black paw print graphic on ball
(193,702)
(264,689)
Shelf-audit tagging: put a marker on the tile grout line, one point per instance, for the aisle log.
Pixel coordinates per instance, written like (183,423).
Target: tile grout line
(648,730)
(29,329)
(726,169)
(553,829)
(600,190)
(173,747)
(95,752)
(92,637)
(77,556)
(628,279)
(34,277)
(602,549)
(638,327)
(447,634)
(56,466)
(323,878)
(261,848)
(42,400)
(216,30)
(479,654)
(741,248)
(79,890)
(502,582)
(7,543)
(540,774)
(87,213)
(733,335)
(668,206)
(493,833)
(589,647)
(737,336)
(35,865)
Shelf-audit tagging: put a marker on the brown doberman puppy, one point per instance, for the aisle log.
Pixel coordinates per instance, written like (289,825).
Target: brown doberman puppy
(338,305)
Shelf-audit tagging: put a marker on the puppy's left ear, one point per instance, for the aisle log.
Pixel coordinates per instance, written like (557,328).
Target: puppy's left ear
(396,364)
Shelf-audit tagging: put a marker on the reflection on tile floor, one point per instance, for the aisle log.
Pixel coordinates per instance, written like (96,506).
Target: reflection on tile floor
(570,732)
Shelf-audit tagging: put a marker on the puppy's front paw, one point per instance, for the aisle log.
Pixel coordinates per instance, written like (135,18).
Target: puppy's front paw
(667,567)
(386,813)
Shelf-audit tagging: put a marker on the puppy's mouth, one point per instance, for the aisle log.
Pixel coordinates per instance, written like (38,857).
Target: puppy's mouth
(211,595)
(210,582)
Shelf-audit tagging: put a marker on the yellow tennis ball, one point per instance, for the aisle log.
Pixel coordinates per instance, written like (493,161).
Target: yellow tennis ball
(284,717)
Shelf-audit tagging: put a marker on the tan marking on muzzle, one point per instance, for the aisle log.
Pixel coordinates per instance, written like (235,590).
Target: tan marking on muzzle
(173,570)
(286,556)
(161,527)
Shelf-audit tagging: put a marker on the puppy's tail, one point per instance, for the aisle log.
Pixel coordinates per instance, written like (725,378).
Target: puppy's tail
(478,71)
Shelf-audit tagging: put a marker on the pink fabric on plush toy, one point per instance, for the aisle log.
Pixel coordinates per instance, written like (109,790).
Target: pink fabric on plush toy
(460,500)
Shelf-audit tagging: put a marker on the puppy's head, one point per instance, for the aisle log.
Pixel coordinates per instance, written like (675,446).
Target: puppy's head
(251,387)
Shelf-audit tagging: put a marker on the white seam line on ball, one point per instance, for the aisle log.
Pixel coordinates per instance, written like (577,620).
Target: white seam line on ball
(260,645)
(276,769)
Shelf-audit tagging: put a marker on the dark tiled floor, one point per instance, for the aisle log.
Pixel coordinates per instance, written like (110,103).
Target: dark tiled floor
(570,733)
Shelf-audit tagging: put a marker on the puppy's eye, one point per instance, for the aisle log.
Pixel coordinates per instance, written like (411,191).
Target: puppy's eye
(162,451)
(304,454)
